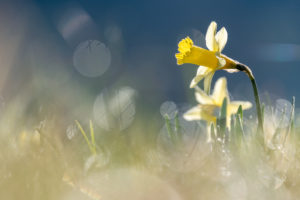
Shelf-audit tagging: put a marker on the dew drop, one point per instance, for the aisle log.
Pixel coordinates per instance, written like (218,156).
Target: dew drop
(168,108)
(91,58)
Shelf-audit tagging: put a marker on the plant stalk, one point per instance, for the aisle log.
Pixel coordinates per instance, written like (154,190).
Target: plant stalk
(249,73)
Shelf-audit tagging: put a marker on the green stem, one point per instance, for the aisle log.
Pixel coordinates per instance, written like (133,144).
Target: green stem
(248,71)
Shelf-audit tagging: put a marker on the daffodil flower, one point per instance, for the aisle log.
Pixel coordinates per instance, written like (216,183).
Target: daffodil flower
(208,60)
(209,103)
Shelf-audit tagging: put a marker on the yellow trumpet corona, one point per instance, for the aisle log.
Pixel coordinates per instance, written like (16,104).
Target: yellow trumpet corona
(192,54)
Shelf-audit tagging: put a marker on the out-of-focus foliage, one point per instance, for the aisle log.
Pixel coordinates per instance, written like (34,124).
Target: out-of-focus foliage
(44,162)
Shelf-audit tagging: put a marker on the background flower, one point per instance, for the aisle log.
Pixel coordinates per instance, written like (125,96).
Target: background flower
(209,103)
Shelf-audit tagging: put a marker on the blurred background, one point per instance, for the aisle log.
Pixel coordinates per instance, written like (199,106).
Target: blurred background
(74,56)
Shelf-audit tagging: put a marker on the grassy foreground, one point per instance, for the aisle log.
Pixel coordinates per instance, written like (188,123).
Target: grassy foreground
(176,162)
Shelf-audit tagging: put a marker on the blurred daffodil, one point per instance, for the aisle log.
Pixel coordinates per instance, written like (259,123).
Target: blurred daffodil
(208,104)
(208,60)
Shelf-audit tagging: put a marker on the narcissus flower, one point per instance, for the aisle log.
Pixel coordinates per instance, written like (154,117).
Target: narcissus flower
(209,104)
(208,60)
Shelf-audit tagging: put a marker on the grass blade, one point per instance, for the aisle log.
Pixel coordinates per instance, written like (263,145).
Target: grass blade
(92,134)
(85,137)
(178,127)
(169,128)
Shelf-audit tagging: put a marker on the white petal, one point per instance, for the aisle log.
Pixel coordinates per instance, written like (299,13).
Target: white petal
(207,81)
(200,112)
(202,70)
(202,97)
(228,122)
(232,70)
(211,42)
(234,105)
(195,81)
(221,38)
(201,73)
(220,91)
(208,131)
(193,114)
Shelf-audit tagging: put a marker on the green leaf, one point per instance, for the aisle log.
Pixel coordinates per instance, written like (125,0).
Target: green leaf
(222,118)
(239,124)
(178,127)
(240,112)
(212,132)
(169,128)
(232,131)
(92,134)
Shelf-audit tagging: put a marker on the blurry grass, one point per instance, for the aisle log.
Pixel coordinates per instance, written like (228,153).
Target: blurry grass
(91,144)
(42,163)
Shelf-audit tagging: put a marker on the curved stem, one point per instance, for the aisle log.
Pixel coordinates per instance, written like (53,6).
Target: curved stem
(248,71)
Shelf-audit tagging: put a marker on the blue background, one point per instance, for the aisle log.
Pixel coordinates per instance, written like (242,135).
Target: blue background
(262,34)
